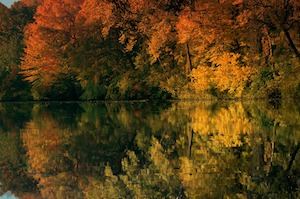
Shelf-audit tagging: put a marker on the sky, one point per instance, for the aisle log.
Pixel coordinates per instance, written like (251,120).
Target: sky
(7,3)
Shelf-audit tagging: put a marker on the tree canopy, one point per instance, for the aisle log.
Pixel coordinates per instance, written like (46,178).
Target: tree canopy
(146,49)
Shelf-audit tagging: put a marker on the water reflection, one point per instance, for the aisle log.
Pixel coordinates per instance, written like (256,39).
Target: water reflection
(150,150)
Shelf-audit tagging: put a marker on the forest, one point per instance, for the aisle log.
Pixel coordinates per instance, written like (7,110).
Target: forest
(149,49)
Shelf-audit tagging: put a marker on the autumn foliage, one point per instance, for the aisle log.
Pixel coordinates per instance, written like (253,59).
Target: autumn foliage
(136,49)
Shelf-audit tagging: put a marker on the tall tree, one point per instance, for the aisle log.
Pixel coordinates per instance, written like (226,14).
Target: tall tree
(12,24)
(45,64)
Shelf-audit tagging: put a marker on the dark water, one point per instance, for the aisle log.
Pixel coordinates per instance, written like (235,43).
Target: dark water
(150,150)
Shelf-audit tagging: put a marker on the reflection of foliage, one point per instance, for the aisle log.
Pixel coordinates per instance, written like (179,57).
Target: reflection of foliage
(277,147)
(154,180)
(225,127)
(55,146)
(60,185)
(13,174)
(14,115)
(258,165)
(143,150)
(45,140)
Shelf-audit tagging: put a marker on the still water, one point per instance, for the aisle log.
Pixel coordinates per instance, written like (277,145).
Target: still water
(150,150)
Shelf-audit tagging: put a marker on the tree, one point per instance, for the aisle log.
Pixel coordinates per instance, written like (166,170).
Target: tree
(12,25)
(273,19)
(45,64)
(108,49)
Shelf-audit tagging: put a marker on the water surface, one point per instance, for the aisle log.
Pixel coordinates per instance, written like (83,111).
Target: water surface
(150,150)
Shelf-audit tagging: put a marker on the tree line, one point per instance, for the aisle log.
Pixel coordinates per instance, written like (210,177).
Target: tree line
(149,49)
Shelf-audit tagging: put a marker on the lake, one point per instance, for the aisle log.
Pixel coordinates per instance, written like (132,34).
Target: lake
(175,149)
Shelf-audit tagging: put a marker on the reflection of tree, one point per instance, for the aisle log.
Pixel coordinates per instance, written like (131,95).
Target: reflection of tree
(230,150)
(13,175)
(275,150)
(225,126)
(14,115)
(105,132)
(62,155)
(156,179)
(45,142)
(138,150)
(240,150)
(219,132)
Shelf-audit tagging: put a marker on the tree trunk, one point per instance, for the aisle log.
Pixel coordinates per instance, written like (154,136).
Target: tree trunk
(291,43)
(280,25)
(188,67)
(190,138)
(293,157)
